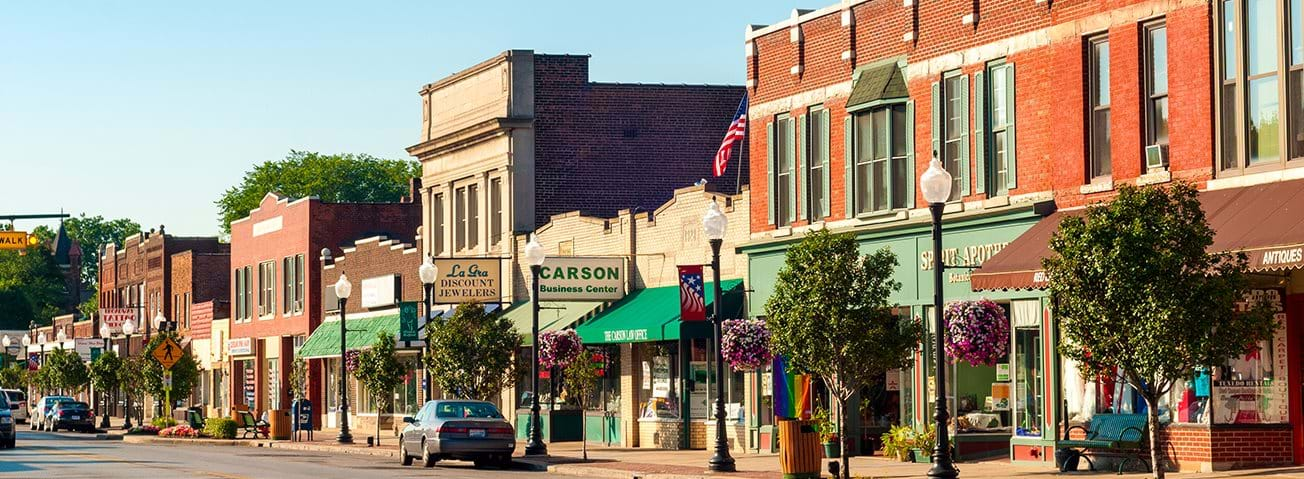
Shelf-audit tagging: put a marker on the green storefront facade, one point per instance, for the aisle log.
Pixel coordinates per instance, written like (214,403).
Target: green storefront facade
(1019,426)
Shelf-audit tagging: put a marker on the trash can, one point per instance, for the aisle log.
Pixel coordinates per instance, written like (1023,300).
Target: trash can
(279,422)
(799,449)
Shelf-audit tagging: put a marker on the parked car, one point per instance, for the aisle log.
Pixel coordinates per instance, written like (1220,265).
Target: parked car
(72,415)
(17,403)
(457,429)
(41,411)
(8,436)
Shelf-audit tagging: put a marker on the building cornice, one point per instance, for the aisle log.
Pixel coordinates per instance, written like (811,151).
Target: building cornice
(467,136)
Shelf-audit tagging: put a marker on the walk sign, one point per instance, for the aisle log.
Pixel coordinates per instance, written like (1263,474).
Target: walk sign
(167,353)
(16,240)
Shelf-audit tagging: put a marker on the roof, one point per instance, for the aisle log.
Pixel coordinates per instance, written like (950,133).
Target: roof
(652,314)
(877,83)
(553,315)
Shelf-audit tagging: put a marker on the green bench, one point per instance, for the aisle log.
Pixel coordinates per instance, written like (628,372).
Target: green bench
(1111,435)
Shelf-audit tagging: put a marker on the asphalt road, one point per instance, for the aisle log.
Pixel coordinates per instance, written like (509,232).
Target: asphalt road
(70,455)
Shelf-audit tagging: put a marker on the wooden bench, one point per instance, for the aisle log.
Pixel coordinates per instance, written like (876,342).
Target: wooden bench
(249,425)
(1112,435)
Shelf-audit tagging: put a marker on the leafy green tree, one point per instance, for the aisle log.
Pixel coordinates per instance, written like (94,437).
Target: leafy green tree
(830,315)
(14,376)
(1136,288)
(473,353)
(91,232)
(68,374)
(31,288)
(581,382)
(185,373)
(106,375)
(380,372)
(343,177)
(133,379)
(299,378)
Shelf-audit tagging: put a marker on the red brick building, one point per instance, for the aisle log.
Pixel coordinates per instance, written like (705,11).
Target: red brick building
(276,284)
(1033,107)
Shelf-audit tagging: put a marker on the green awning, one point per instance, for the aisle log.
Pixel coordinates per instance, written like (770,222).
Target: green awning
(325,341)
(877,83)
(652,314)
(553,315)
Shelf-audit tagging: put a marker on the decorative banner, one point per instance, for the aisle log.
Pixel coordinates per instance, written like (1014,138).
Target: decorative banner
(114,317)
(692,295)
(33,361)
(407,321)
(468,280)
(792,398)
(574,278)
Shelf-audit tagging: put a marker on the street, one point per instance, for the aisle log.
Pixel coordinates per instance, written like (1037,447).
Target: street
(66,455)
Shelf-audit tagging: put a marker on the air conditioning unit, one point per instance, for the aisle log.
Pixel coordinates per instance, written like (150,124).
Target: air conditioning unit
(1156,157)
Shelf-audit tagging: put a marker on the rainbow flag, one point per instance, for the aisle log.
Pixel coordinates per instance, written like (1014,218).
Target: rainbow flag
(791,392)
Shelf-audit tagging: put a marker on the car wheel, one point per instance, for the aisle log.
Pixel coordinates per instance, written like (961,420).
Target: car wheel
(481,463)
(428,459)
(504,461)
(403,452)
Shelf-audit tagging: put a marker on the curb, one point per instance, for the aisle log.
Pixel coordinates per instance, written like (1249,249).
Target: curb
(361,451)
(604,473)
(142,439)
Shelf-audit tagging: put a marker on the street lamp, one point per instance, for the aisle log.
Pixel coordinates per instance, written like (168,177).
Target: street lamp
(427,272)
(936,185)
(342,290)
(714,223)
(61,337)
(128,328)
(105,332)
(535,256)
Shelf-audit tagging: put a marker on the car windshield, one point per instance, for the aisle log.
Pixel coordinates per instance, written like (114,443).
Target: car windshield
(16,396)
(50,401)
(467,410)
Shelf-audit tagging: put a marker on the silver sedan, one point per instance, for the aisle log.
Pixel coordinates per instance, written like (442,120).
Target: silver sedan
(458,429)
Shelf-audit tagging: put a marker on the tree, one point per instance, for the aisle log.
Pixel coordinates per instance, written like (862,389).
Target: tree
(14,376)
(67,372)
(830,315)
(185,373)
(106,374)
(31,288)
(91,232)
(343,177)
(299,378)
(1135,288)
(472,354)
(133,379)
(380,372)
(581,382)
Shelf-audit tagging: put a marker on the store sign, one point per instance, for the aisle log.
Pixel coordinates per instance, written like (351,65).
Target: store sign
(114,317)
(1253,388)
(379,291)
(661,377)
(468,280)
(1282,257)
(573,278)
(240,346)
(972,256)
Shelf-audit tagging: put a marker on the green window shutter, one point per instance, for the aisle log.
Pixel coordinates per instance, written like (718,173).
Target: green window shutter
(979,136)
(848,165)
(770,165)
(803,196)
(936,131)
(910,154)
(966,180)
(789,165)
(824,162)
(1011,159)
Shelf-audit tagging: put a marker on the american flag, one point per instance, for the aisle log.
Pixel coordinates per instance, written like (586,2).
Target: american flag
(734,134)
(692,294)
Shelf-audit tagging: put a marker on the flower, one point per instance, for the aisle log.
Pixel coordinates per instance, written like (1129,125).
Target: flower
(558,348)
(180,430)
(745,344)
(976,331)
(351,360)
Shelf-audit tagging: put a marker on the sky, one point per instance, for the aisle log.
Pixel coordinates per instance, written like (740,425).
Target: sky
(149,110)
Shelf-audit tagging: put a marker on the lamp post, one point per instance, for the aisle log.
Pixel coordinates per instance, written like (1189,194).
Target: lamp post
(27,342)
(427,272)
(160,322)
(342,290)
(105,332)
(936,186)
(128,328)
(714,224)
(535,256)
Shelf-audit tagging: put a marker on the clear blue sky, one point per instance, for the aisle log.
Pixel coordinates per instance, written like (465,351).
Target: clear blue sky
(150,109)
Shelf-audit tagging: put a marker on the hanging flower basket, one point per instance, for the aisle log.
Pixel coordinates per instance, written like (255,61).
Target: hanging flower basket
(351,360)
(977,332)
(745,344)
(558,348)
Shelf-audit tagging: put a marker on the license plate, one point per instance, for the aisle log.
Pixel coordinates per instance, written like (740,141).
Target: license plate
(475,432)
(76,418)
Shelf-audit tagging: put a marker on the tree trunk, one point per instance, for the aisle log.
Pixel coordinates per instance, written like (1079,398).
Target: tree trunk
(1152,417)
(584,431)
(842,438)
(378,411)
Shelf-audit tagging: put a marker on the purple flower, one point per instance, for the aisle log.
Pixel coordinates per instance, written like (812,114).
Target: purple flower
(976,331)
(745,344)
(558,348)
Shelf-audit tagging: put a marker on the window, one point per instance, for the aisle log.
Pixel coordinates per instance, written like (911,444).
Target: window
(186,306)
(1029,380)
(495,211)
(817,160)
(473,216)
(1156,78)
(954,123)
(266,288)
(287,285)
(241,297)
(782,178)
(1098,123)
(298,283)
(248,293)
(995,136)
(437,225)
(459,213)
(1257,128)
(881,167)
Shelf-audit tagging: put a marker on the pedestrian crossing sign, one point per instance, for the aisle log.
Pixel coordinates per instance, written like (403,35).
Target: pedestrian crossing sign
(167,353)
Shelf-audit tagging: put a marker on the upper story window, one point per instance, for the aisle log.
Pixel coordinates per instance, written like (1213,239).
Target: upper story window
(292,284)
(437,226)
(816,172)
(1155,65)
(1099,166)
(266,288)
(881,172)
(782,178)
(243,294)
(1261,58)
(495,211)
(459,219)
(951,129)
(473,216)
(995,130)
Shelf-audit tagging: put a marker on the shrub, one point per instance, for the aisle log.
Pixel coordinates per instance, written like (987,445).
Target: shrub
(163,422)
(183,430)
(220,428)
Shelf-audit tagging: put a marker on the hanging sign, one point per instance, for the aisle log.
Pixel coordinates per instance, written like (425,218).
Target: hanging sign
(468,280)
(407,321)
(114,317)
(575,278)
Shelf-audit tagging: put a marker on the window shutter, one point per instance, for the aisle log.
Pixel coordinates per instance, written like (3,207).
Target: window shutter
(910,154)
(936,108)
(824,162)
(965,179)
(848,166)
(792,174)
(803,175)
(770,165)
(979,138)
(1011,159)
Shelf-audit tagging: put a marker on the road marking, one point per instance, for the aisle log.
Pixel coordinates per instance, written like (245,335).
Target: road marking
(113,459)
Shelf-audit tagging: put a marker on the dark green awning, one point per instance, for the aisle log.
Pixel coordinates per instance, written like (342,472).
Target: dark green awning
(878,83)
(652,314)
(325,341)
(553,315)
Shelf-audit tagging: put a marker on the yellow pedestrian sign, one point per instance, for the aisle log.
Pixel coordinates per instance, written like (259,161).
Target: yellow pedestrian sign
(167,353)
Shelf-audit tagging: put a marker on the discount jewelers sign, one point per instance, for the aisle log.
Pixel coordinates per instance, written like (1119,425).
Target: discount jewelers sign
(570,278)
(468,280)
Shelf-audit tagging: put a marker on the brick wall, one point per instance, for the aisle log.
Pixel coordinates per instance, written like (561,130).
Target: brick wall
(377,256)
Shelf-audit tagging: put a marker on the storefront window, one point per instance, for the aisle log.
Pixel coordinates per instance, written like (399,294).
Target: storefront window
(606,397)
(1252,388)
(979,402)
(662,397)
(1029,381)
(524,385)
(273,387)
(331,385)
(701,380)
